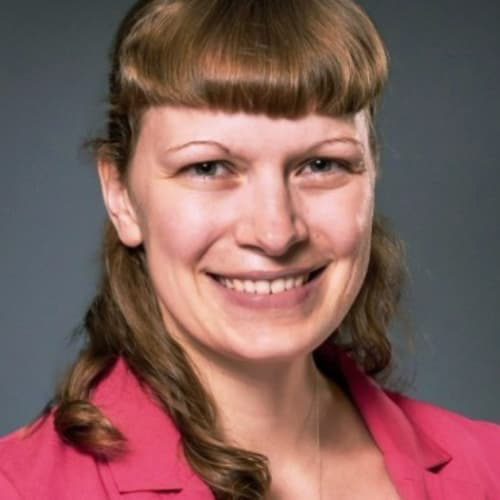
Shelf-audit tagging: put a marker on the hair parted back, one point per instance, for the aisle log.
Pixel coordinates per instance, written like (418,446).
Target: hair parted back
(284,58)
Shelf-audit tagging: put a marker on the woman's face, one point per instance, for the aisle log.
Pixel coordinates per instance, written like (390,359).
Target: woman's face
(235,211)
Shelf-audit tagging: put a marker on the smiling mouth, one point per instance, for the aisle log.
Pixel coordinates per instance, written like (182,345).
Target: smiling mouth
(267,287)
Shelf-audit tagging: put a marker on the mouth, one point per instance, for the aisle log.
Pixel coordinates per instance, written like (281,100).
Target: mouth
(276,286)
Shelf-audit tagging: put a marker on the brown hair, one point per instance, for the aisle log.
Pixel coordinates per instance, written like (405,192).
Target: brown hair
(283,58)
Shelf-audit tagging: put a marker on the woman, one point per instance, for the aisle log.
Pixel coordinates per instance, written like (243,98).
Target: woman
(247,286)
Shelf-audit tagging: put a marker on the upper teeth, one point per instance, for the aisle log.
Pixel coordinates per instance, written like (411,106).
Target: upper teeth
(264,287)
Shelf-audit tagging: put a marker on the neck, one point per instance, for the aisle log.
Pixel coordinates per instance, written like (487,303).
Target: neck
(268,408)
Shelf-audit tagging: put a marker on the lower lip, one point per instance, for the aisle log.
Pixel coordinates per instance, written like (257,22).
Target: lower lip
(290,298)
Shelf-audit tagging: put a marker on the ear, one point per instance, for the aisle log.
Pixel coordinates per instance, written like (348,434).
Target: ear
(118,204)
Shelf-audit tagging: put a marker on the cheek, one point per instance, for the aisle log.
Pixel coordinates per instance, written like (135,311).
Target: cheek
(364,214)
(341,220)
(178,230)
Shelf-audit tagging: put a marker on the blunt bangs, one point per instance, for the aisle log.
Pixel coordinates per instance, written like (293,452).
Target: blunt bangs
(283,58)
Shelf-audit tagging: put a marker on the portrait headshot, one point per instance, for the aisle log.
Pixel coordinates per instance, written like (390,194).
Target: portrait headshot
(250,250)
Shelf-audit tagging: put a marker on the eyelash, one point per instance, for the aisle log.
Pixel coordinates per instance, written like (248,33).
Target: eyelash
(330,162)
(195,167)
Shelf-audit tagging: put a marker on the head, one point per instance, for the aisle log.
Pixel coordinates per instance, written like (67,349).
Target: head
(181,68)
(279,86)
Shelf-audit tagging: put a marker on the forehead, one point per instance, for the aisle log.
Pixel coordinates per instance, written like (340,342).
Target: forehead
(169,127)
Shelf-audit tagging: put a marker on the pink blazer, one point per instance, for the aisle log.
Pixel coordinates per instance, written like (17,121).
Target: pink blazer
(429,452)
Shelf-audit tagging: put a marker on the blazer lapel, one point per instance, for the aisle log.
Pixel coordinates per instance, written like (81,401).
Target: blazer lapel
(414,460)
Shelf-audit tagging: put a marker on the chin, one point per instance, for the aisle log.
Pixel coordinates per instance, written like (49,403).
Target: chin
(270,350)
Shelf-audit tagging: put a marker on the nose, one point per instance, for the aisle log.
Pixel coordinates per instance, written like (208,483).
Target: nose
(271,221)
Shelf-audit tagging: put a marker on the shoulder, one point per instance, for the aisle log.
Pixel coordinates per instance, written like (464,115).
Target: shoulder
(35,463)
(472,444)
(448,424)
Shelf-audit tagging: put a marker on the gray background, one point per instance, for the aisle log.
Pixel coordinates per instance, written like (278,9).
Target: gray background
(440,187)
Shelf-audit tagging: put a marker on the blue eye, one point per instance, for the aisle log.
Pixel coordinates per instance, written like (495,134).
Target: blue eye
(323,165)
(206,169)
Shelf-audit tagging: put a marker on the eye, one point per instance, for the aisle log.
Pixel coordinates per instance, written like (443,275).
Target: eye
(207,169)
(323,166)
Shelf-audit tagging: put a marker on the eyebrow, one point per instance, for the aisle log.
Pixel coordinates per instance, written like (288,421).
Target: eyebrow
(174,149)
(334,140)
(227,151)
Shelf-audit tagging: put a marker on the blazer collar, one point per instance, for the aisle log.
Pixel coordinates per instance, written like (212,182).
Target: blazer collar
(409,452)
(155,461)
